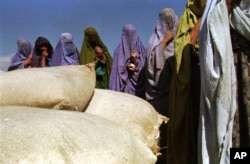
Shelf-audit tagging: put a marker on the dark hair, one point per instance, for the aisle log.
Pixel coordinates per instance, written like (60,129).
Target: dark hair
(41,41)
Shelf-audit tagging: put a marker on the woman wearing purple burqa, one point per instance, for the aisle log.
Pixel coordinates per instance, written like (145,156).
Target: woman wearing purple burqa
(22,58)
(127,74)
(159,62)
(65,53)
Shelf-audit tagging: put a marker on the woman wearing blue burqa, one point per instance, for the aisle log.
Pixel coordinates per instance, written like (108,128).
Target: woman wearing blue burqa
(22,58)
(127,74)
(65,53)
(159,63)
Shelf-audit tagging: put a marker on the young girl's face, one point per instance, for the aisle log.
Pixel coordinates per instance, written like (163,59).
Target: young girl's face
(44,48)
(98,49)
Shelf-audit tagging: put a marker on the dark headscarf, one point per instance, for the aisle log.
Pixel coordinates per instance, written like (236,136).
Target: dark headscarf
(121,79)
(24,49)
(37,53)
(66,53)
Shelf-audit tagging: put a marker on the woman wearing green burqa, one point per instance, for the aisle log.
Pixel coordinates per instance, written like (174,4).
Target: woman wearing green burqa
(184,100)
(94,50)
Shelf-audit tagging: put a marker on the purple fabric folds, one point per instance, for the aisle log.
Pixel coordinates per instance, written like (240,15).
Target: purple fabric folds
(23,51)
(65,53)
(121,79)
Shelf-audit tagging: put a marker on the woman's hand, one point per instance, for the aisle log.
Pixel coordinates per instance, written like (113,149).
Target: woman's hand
(169,36)
(131,67)
(27,61)
(45,52)
(44,57)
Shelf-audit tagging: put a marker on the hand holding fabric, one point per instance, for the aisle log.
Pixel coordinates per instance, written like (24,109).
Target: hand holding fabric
(169,36)
(131,67)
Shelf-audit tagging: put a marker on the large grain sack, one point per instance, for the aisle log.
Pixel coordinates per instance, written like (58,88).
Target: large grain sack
(30,135)
(133,113)
(64,87)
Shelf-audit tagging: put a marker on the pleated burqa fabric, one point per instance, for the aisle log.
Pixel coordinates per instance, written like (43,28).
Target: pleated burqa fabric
(218,85)
(159,61)
(121,79)
(66,52)
(182,128)
(158,69)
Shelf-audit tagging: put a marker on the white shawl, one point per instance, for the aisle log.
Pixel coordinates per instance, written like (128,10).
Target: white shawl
(218,85)
(240,19)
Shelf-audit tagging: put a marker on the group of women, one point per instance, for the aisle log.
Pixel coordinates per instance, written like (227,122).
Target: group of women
(194,70)
(43,54)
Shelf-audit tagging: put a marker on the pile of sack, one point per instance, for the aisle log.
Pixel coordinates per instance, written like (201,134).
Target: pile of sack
(55,115)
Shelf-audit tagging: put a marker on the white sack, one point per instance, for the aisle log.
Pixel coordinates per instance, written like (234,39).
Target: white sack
(64,87)
(32,135)
(133,113)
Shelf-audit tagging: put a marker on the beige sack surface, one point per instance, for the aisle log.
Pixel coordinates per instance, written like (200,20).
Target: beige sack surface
(133,113)
(32,135)
(63,87)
